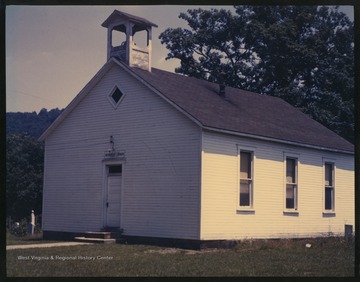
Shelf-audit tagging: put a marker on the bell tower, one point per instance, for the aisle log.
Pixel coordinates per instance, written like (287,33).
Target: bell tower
(128,51)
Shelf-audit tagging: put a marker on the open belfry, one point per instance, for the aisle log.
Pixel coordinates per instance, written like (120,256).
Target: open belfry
(128,51)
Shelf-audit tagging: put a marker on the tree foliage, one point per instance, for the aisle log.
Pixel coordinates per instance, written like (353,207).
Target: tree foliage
(25,161)
(24,175)
(303,54)
(32,124)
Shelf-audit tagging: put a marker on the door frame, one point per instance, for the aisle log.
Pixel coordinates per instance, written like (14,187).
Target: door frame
(105,167)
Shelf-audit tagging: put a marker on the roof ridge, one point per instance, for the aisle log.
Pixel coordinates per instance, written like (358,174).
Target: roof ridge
(215,83)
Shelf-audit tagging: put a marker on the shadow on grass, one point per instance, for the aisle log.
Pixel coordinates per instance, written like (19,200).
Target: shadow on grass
(37,238)
(326,257)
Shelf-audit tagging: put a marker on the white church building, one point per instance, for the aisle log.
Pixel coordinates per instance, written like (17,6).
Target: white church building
(168,158)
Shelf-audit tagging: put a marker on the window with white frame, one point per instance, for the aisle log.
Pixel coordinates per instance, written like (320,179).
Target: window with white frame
(329,192)
(246,179)
(291,184)
(115,96)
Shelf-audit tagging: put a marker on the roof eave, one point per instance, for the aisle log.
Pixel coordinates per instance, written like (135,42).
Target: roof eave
(236,133)
(77,99)
(93,82)
(281,141)
(113,61)
(138,20)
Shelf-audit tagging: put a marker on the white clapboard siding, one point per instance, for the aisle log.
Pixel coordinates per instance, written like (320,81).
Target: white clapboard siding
(220,217)
(161,176)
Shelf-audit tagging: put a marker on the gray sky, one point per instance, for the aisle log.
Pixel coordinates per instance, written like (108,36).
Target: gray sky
(53,52)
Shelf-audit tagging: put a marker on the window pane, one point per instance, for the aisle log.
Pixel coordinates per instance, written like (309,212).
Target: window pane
(290,196)
(116,95)
(328,198)
(328,175)
(115,169)
(245,188)
(245,165)
(290,171)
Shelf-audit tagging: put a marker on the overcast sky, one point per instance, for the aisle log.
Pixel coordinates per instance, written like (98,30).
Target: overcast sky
(53,52)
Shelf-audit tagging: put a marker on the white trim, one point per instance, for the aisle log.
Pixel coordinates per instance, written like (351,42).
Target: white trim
(234,133)
(43,219)
(112,61)
(110,98)
(251,150)
(294,156)
(105,165)
(333,210)
(91,84)
(201,182)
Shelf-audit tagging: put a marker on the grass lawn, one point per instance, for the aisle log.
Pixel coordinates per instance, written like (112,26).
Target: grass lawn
(326,257)
(29,239)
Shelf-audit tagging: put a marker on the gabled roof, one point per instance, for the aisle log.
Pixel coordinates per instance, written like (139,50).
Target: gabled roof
(116,14)
(240,113)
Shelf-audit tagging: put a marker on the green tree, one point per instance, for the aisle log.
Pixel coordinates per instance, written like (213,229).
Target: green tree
(24,176)
(303,54)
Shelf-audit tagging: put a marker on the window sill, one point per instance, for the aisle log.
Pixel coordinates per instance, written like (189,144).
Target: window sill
(329,214)
(245,211)
(291,212)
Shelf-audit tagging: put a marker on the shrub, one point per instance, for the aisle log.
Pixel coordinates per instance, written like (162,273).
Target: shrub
(20,230)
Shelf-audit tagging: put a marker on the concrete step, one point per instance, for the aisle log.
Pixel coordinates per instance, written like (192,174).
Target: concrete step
(112,229)
(101,235)
(95,240)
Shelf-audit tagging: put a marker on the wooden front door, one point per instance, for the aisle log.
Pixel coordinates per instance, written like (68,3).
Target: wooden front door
(113,196)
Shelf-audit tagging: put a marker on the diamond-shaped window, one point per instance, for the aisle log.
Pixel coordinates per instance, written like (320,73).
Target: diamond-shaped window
(115,97)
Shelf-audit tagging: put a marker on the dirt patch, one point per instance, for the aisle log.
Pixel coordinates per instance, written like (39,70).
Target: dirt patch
(163,251)
(177,251)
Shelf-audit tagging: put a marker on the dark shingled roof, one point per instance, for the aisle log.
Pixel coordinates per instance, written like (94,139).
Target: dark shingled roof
(242,111)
